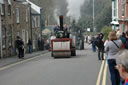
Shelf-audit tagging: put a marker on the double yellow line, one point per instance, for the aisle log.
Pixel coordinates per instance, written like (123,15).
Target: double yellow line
(103,70)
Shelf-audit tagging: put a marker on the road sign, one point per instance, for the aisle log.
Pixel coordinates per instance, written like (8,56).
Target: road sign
(88,29)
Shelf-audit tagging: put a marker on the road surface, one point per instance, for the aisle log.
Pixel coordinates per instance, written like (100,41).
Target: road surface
(83,69)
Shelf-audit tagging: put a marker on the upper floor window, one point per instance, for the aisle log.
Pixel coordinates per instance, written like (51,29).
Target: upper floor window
(9,9)
(9,2)
(2,8)
(27,11)
(114,8)
(38,21)
(17,15)
(123,7)
(32,22)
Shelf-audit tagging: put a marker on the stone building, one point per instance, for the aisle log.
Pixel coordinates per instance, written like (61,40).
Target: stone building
(22,21)
(15,18)
(7,25)
(36,21)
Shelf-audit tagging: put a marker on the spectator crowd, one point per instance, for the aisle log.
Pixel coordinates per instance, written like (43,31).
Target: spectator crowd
(115,49)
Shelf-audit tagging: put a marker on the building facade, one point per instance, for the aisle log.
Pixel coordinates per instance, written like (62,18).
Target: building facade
(115,23)
(15,20)
(123,15)
(36,21)
(7,25)
(22,22)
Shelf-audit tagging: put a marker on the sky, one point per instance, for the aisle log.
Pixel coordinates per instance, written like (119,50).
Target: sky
(74,8)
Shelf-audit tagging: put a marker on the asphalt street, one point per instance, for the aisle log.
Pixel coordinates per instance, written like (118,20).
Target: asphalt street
(82,69)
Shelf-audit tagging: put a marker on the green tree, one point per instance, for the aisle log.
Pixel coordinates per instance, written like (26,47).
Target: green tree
(102,14)
(105,31)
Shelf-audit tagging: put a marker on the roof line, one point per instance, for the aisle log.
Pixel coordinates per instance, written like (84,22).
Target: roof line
(34,6)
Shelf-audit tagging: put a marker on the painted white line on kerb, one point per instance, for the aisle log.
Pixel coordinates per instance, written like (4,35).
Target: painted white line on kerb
(100,73)
(105,74)
(20,62)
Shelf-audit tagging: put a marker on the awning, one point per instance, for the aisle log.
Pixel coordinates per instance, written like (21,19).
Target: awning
(2,1)
(115,23)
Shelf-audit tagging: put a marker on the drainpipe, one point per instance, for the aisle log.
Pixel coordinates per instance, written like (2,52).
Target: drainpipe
(31,23)
(1,50)
(41,22)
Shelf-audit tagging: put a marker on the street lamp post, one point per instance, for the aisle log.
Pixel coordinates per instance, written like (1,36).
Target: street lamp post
(93,17)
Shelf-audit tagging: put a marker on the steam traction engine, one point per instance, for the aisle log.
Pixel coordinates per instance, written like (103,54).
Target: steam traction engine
(62,46)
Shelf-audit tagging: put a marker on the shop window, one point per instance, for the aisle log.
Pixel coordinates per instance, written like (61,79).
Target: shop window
(10,36)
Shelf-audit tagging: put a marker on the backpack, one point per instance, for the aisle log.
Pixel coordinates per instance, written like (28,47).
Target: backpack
(99,43)
(126,44)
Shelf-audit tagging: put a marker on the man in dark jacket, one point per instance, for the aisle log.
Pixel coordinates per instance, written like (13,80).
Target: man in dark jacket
(100,44)
(20,46)
(126,41)
(30,45)
(56,28)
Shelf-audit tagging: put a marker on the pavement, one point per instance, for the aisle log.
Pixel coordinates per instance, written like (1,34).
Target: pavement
(14,59)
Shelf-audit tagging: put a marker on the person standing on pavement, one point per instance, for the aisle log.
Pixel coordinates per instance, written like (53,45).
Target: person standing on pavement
(86,37)
(89,39)
(125,43)
(100,44)
(30,45)
(106,41)
(118,33)
(93,44)
(20,46)
(112,48)
(39,44)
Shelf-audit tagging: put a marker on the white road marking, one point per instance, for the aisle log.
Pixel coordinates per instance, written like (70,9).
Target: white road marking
(20,62)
